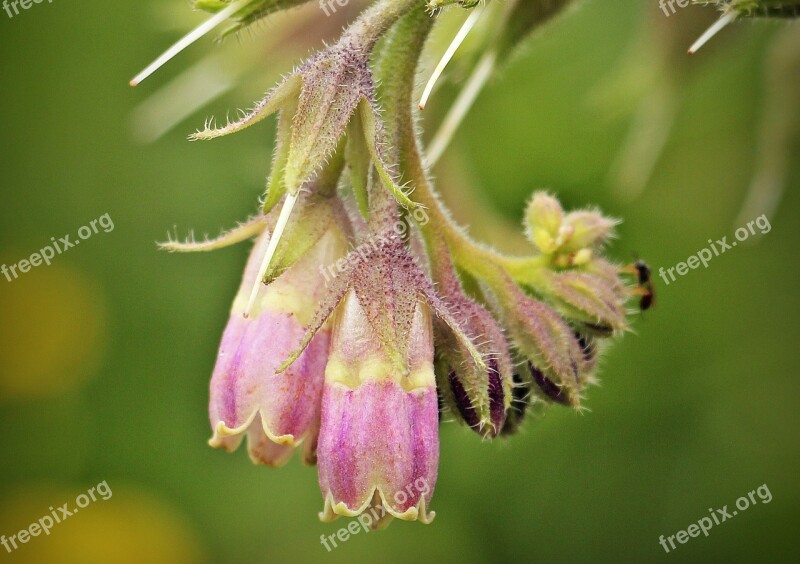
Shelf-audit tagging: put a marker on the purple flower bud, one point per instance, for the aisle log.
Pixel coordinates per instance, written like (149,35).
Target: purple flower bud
(543,337)
(480,398)
(587,298)
(520,400)
(479,395)
(550,390)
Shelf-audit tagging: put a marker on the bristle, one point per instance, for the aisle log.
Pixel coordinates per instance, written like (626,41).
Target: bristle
(283,219)
(448,54)
(712,31)
(188,39)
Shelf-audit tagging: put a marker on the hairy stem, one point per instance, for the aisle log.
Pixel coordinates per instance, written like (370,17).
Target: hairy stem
(376,20)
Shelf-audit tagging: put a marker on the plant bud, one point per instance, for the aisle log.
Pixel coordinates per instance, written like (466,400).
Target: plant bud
(589,230)
(551,391)
(543,221)
(587,298)
(543,337)
(520,400)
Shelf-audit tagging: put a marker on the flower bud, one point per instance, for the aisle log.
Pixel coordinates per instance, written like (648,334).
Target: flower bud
(587,299)
(550,390)
(589,229)
(543,221)
(481,396)
(543,337)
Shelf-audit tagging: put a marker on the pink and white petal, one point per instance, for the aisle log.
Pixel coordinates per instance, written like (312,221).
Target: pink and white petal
(264,451)
(378,437)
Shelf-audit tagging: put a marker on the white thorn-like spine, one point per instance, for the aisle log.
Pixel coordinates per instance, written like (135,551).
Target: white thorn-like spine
(188,39)
(715,28)
(283,220)
(450,52)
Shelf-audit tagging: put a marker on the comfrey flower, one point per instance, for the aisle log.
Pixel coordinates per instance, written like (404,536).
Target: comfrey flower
(380,425)
(277,411)
(418,325)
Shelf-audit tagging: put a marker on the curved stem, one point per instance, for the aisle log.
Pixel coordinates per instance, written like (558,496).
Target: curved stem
(396,69)
(376,20)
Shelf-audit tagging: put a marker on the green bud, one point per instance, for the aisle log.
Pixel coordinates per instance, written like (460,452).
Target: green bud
(587,299)
(588,229)
(543,221)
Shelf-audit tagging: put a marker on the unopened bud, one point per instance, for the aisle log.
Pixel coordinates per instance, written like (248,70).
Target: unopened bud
(587,298)
(550,390)
(543,337)
(543,221)
(480,395)
(520,400)
(589,230)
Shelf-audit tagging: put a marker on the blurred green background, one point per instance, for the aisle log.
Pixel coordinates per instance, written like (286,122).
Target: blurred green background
(105,356)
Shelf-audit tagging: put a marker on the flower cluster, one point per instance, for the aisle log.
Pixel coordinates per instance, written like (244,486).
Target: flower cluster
(356,373)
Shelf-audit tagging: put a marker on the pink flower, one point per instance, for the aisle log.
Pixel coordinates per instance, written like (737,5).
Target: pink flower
(278,411)
(379,439)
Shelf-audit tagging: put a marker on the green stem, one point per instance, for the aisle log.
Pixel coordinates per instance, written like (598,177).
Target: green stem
(442,234)
(396,70)
(376,20)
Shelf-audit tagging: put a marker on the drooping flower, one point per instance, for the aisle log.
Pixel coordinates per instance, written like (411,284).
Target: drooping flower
(277,411)
(379,429)
(379,437)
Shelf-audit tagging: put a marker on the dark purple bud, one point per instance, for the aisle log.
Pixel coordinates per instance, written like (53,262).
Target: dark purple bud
(462,401)
(482,402)
(550,390)
(520,398)
(588,346)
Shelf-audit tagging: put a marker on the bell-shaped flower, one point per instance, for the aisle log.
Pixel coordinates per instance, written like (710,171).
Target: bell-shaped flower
(278,411)
(378,441)
(379,436)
